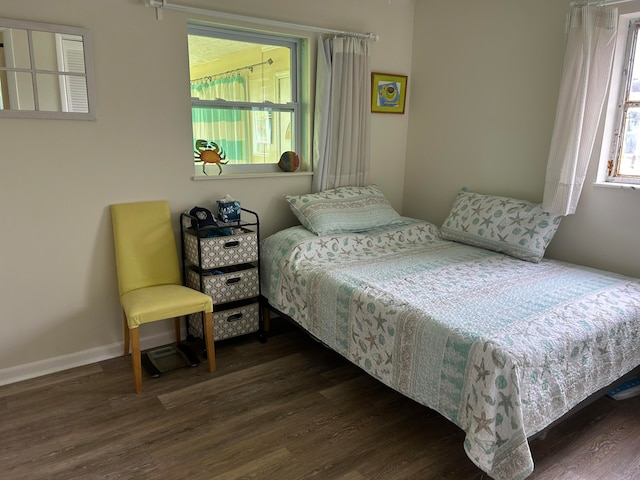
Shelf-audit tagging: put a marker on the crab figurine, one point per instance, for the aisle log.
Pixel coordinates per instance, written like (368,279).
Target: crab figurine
(210,152)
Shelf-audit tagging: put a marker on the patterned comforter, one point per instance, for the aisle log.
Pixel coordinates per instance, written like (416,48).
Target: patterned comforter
(499,346)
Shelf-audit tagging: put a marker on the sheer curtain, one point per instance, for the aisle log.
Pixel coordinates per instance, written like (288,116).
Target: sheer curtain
(226,127)
(585,79)
(341,122)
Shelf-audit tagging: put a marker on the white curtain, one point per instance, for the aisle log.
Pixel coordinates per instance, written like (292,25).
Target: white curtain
(585,80)
(341,122)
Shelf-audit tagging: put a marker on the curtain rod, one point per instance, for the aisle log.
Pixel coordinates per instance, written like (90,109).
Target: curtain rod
(208,78)
(160,4)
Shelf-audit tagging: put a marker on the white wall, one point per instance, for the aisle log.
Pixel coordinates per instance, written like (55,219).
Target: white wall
(58,304)
(489,75)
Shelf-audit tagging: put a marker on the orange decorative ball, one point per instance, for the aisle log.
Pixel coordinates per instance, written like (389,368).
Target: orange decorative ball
(289,162)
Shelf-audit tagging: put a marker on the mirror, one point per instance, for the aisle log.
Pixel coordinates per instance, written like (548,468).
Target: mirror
(45,71)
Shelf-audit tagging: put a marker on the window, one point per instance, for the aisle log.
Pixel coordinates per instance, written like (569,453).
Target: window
(244,98)
(623,159)
(73,90)
(45,71)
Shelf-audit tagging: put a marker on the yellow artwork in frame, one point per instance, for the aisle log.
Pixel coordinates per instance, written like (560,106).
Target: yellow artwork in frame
(388,92)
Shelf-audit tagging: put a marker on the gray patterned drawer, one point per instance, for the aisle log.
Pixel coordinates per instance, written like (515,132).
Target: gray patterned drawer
(222,251)
(230,285)
(229,323)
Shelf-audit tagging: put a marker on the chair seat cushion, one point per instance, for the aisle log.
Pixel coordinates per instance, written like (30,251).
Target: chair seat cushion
(161,302)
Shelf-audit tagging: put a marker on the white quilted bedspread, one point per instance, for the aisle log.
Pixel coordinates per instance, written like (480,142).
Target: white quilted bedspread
(499,346)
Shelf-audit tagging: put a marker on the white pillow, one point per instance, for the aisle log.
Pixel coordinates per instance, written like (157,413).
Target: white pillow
(343,210)
(507,225)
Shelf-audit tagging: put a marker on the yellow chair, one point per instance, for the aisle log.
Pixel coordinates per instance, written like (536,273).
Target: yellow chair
(149,279)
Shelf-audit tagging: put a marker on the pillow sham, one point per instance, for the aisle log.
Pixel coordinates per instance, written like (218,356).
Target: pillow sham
(515,227)
(343,210)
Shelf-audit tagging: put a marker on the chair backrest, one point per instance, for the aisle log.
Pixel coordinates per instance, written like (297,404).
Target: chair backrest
(145,245)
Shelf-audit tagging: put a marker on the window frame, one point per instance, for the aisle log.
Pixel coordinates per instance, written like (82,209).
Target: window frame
(615,115)
(34,71)
(295,44)
(70,52)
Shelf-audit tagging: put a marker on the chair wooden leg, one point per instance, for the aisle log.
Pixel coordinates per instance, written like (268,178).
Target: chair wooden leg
(127,338)
(208,340)
(135,358)
(176,326)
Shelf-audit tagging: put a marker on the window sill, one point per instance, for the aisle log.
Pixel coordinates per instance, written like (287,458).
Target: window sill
(253,175)
(623,186)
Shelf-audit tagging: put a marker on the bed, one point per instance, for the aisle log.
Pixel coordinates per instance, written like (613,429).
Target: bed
(474,324)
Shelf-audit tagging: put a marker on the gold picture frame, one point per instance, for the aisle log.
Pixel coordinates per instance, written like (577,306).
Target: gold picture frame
(388,92)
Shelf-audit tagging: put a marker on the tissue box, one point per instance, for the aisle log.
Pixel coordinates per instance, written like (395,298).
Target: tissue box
(228,211)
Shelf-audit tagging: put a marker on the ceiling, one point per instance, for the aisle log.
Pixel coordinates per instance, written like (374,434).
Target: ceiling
(207,49)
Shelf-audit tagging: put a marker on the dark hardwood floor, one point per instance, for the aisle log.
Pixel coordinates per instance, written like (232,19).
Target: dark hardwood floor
(287,409)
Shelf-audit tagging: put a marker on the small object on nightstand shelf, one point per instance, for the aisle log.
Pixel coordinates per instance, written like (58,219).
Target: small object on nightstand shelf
(202,218)
(228,209)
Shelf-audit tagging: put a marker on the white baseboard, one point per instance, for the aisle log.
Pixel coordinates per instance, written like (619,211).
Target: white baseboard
(77,359)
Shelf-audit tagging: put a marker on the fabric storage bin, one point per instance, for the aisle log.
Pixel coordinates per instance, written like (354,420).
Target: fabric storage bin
(222,251)
(231,322)
(229,285)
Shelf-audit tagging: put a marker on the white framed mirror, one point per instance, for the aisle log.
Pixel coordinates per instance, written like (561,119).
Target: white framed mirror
(46,71)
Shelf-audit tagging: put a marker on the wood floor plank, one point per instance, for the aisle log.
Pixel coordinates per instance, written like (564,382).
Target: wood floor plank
(47,380)
(289,409)
(223,384)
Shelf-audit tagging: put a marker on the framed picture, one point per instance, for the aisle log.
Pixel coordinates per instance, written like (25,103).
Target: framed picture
(388,92)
